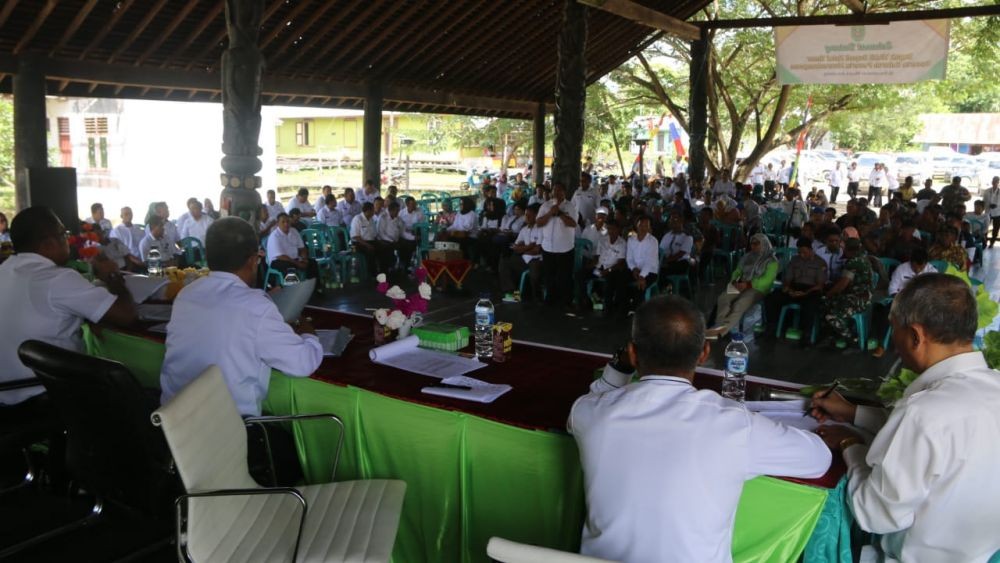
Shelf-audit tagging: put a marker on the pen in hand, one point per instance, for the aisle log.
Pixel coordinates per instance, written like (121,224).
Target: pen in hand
(836,383)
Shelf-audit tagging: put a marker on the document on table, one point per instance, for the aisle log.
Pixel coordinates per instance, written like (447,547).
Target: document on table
(334,341)
(788,413)
(143,287)
(404,354)
(479,391)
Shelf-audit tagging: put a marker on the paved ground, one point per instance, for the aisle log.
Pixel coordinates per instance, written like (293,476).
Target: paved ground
(769,357)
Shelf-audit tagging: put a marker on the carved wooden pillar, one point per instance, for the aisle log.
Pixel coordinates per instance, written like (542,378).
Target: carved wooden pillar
(698,109)
(242,75)
(571,96)
(538,158)
(30,144)
(371,156)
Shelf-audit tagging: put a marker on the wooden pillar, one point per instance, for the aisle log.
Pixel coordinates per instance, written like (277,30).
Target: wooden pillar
(242,75)
(571,96)
(371,159)
(538,157)
(30,143)
(698,109)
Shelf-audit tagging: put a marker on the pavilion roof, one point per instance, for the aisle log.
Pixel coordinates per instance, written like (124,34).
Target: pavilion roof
(487,57)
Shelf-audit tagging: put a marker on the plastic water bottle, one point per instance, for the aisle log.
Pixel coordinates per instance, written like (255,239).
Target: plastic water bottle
(484,327)
(734,382)
(355,276)
(153,263)
(291,278)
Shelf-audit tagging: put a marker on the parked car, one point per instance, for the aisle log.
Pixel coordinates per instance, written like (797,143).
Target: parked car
(918,165)
(866,163)
(989,167)
(966,168)
(942,165)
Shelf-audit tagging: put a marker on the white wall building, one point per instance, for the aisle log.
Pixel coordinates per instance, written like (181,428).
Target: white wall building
(134,152)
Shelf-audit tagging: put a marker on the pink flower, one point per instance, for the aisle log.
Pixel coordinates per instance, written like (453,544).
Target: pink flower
(382,287)
(420,274)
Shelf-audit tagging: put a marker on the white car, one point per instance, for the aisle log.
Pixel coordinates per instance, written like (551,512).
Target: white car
(917,165)
(989,168)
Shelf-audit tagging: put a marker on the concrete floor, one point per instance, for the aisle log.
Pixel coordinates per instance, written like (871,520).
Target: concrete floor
(769,357)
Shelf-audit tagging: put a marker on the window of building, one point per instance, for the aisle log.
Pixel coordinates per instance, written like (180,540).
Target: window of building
(96,129)
(65,145)
(302,134)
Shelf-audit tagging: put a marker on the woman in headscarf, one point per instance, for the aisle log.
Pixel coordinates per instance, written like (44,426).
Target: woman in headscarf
(750,283)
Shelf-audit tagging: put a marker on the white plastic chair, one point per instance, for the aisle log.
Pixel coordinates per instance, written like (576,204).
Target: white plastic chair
(227,516)
(506,551)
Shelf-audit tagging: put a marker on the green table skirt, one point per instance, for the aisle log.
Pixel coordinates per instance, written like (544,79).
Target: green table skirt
(470,479)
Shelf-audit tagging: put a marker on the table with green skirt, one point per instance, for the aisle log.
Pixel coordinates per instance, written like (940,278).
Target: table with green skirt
(505,469)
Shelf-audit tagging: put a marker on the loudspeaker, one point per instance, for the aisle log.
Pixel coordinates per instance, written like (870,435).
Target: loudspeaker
(55,188)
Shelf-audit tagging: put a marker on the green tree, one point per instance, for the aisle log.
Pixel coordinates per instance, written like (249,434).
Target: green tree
(6,142)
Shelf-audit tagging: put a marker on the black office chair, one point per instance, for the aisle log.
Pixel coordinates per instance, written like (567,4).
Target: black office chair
(21,427)
(112,450)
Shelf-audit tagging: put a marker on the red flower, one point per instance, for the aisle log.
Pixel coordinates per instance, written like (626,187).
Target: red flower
(89,251)
(86,226)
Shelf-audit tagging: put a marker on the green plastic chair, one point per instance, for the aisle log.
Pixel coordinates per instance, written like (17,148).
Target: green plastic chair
(342,255)
(194,252)
(890,264)
(320,249)
(940,265)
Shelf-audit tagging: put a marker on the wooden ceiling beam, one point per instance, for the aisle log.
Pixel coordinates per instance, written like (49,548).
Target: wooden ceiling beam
(425,30)
(196,32)
(352,27)
(74,26)
(138,30)
(314,18)
(320,36)
(516,56)
(355,38)
(36,24)
(284,25)
(640,14)
(476,46)
(167,31)
(8,8)
(439,47)
(271,9)
(876,18)
(405,17)
(105,29)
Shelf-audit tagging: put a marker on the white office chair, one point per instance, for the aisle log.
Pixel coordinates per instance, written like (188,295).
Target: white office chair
(506,551)
(230,518)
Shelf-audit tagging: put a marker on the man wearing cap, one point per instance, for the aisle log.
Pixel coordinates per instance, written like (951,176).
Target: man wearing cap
(596,232)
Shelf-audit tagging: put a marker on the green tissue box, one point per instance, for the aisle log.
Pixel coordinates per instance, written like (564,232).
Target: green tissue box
(444,337)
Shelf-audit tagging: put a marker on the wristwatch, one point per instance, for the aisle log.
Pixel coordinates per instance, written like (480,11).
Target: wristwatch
(620,361)
(848,442)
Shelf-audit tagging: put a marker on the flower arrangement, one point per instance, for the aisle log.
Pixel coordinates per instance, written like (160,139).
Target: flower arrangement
(87,244)
(405,307)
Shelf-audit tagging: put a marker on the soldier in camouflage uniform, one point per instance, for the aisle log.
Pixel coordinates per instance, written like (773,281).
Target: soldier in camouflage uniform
(851,294)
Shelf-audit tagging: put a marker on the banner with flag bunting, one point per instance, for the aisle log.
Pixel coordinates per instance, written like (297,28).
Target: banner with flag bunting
(794,180)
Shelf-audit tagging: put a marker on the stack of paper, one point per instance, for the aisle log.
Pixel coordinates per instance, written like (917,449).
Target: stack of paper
(479,391)
(405,354)
(789,413)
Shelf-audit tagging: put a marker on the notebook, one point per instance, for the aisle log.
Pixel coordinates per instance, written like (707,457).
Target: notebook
(291,299)
(334,341)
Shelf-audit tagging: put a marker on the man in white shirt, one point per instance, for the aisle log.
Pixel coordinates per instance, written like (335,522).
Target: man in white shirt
(368,193)
(916,266)
(784,175)
(274,207)
(130,235)
(389,241)
(664,463)
(321,200)
(770,179)
(285,248)
(679,166)
(876,181)
(609,259)
(170,231)
(836,181)
(349,206)
(585,199)
(97,218)
(156,237)
(301,202)
(991,198)
(642,260)
(411,215)
(927,482)
(724,186)
(363,236)
(557,217)
(676,246)
(596,232)
(222,320)
(40,299)
(526,254)
(853,180)
(197,222)
(757,179)
(891,181)
(329,214)
(832,252)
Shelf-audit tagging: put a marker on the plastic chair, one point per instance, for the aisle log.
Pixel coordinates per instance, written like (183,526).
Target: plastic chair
(581,247)
(194,252)
(224,505)
(890,265)
(728,250)
(678,283)
(940,265)
(320,248)
(796,309)
(506,551)
(343,254)
(423,230)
